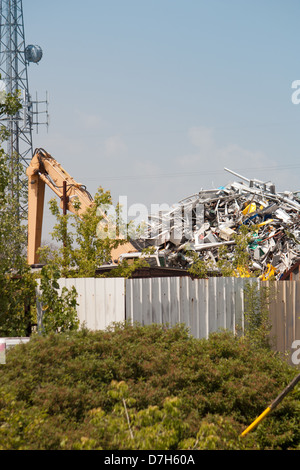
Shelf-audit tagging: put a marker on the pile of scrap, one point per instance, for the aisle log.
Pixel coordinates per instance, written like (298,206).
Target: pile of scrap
(209,219)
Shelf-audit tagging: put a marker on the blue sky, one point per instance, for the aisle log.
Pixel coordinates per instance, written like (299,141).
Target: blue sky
(152,99)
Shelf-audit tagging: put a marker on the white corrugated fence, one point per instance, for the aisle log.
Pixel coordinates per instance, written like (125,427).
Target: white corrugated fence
(203,305)
(100,301)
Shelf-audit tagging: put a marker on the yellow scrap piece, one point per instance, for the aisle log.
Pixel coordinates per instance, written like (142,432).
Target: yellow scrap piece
(269,221)
(242,272)
(250,208)
(271,271)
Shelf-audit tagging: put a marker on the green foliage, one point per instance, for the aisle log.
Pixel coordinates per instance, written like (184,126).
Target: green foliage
(154,387)
(16,303)
(16,284)
(85,242)
(242,240)
(199,268)
(18,422)
(236,263)
(9,103)
(216,433)
(13,236)
(256,313)
(59,312)
(126,269)
(126,427)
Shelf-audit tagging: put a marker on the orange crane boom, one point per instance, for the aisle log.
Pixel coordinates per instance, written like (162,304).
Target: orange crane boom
(44,169)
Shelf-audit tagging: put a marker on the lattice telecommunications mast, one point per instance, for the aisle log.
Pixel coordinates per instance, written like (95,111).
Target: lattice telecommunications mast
(15,57)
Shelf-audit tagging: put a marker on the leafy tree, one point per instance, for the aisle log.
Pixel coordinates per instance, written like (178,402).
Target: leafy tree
(9,102)
(256,312)
(16,284)
(58,309)
(199,267)
(85,242)
(229,264)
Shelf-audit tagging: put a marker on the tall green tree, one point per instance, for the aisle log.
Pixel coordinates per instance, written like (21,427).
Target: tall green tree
(85,242)
(16,285)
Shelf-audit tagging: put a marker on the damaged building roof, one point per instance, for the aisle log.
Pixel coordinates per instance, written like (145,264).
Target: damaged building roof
(209,219)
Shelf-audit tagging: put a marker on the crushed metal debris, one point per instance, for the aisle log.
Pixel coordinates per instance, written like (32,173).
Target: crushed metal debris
(205,221)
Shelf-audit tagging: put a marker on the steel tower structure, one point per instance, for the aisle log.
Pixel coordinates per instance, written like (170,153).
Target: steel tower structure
(15,57)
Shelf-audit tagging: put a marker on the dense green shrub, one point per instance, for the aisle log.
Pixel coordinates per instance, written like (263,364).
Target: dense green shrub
(134,387)
(58,308)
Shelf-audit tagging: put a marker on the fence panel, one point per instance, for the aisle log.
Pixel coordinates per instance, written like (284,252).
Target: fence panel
(285,317)
(208,305)
(101,301)
(204,305)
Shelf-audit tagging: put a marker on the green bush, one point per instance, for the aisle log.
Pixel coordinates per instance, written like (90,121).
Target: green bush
(59,312)
(152,387)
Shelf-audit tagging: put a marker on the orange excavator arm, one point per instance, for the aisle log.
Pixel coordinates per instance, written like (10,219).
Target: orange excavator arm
(44,169)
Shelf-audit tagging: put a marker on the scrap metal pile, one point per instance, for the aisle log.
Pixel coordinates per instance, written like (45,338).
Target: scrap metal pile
(209,219)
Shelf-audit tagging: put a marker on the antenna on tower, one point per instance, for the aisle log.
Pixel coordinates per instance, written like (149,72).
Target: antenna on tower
(15,56)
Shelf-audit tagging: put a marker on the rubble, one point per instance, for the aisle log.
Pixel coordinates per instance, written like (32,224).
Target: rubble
(207,220)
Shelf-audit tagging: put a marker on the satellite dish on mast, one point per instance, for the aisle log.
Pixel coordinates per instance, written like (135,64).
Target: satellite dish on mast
(33,53)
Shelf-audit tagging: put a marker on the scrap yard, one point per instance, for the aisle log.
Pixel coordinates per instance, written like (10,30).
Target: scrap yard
(210,219)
